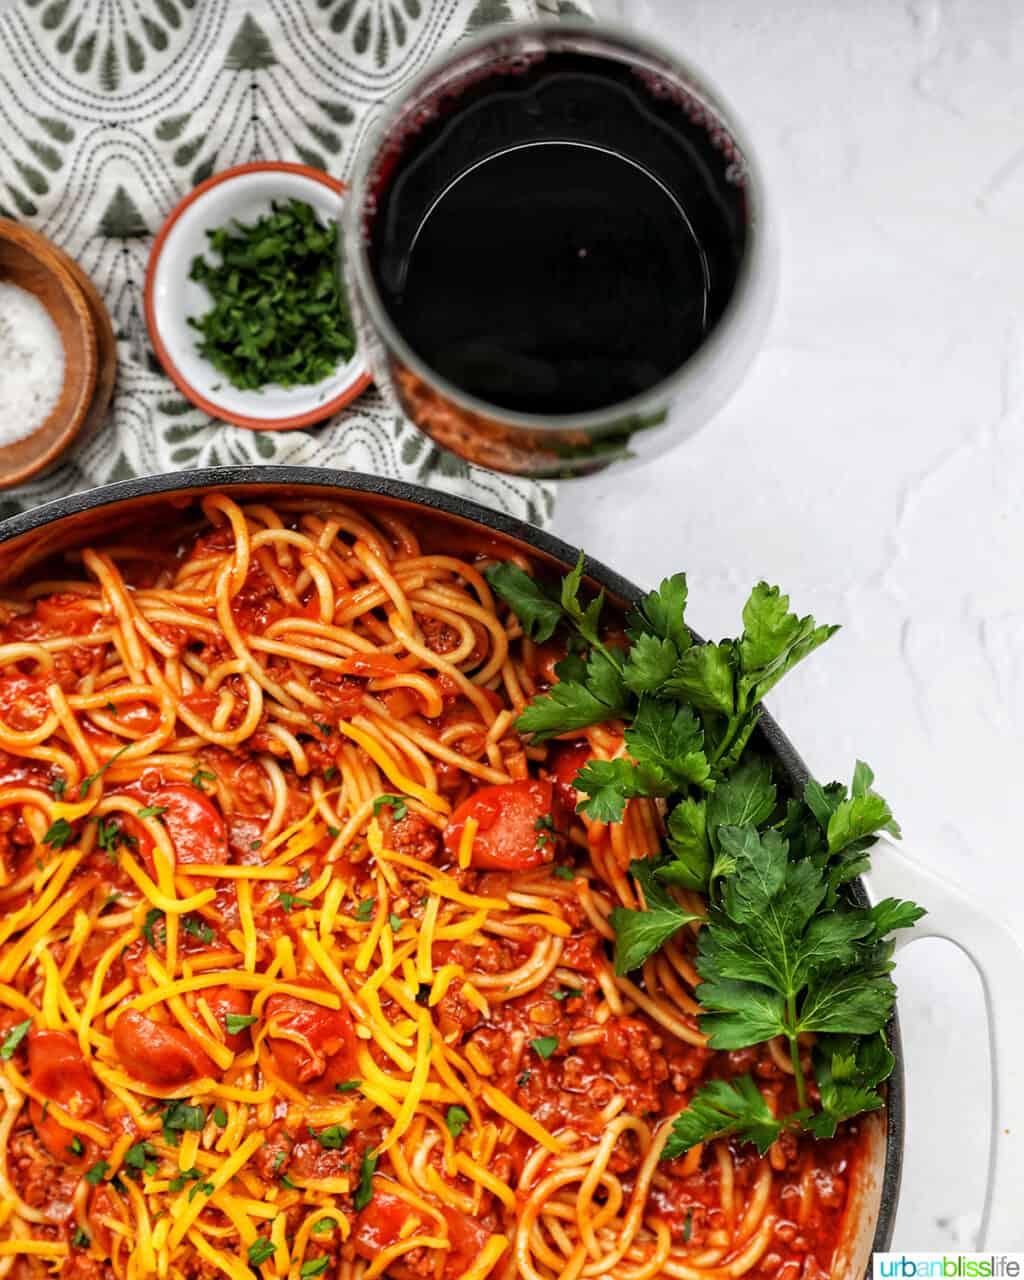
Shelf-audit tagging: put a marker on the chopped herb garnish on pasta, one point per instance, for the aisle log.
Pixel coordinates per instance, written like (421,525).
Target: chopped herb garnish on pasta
(13,1038)
(396,804)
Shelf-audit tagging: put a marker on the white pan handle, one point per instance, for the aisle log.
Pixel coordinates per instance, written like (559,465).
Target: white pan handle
(999,959)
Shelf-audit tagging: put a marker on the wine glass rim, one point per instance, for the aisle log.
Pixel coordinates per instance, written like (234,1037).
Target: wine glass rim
(565,34)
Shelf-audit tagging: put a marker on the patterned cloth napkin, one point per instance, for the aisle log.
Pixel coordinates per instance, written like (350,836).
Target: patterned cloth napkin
(111,110)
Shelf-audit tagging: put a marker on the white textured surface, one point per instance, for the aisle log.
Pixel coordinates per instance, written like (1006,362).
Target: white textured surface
(873,464)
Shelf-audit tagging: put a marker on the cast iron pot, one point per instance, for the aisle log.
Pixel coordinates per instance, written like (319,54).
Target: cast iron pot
(27,538)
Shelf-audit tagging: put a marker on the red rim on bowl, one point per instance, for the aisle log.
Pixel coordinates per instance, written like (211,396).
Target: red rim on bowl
(310,416)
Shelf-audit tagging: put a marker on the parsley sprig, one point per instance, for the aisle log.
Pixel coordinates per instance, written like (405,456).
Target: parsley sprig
(690,707)
(783,950)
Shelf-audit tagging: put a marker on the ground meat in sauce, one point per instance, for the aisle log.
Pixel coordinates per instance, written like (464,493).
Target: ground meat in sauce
(37,1179)
(415,837)
(441,637)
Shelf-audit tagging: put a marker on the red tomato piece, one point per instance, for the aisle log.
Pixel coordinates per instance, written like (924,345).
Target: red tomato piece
(311,1046)
(567,759)
(197,830)
(59,1071)
(467,1238)
(381,1223)
(386,1219)
(513,832)
(158,1053)
(225,1000)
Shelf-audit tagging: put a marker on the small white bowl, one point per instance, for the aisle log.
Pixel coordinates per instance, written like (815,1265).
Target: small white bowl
(243,193)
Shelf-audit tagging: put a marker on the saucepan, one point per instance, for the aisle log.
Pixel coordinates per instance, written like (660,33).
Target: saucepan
(67,522)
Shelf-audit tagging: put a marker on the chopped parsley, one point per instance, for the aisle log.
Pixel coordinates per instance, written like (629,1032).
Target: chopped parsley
(330,772)
(59,834)
(688,1226)
(315,1266)
(80,1240)
(200,776)
(395,922)
(563,873)
(260,1250)
(278,1161)
(59,785)
(75,1146)
(456,1119)
(568,993)
(287,1182)
(289,901)
(396,804)
(97,1173)
(332,1138)
(544,1045)
(179,1117)
(364,1191)
(236,1022)
(207,1188)
(348,1086)
(13,1038)
(220,1117)
(323,1225)
(89,779)
(276,310)
(151,811)
(325,729)
(110,835)
(154,927)
(524,1079)
(112,709)
(197,927)
(143,1157)
(178,1182)
(365,910)
(333,832)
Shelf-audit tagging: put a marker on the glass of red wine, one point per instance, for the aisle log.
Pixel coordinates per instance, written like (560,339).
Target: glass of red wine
(556,250)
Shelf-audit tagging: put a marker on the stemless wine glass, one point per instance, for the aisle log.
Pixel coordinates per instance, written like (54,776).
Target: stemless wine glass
(556,249)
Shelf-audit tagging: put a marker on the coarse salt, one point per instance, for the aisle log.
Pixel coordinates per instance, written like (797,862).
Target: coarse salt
(31,363)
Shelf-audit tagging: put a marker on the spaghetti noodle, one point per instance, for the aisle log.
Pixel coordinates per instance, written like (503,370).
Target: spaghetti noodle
(304,957)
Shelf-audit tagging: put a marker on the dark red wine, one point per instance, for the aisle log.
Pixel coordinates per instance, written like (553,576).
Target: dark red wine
(559,239)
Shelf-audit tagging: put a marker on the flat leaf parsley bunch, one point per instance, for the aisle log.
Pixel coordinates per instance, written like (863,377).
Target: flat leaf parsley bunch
(783,948)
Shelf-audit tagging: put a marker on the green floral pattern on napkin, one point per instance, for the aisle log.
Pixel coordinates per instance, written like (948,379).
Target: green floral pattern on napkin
(112,110)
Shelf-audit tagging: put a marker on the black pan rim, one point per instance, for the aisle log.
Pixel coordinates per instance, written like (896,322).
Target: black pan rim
(540,540)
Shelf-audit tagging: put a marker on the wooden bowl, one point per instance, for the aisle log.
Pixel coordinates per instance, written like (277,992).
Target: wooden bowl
(28,260)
